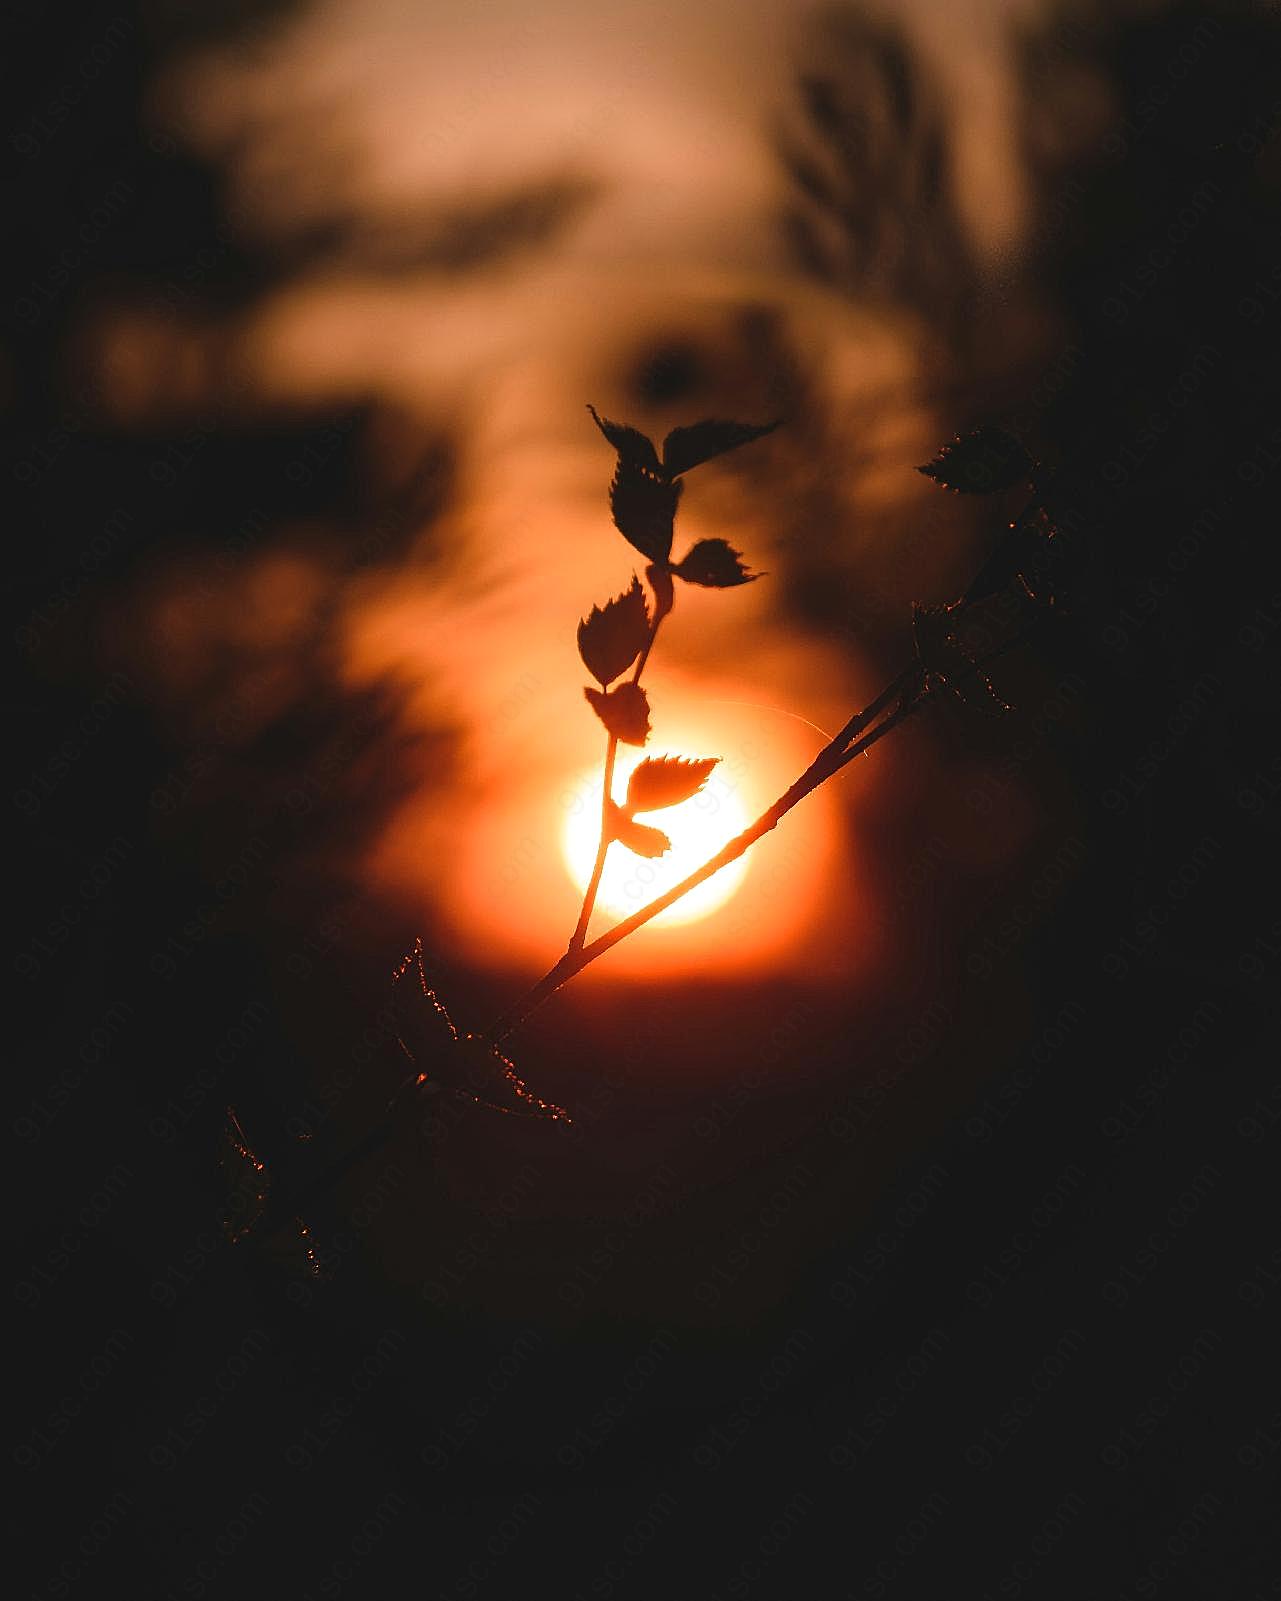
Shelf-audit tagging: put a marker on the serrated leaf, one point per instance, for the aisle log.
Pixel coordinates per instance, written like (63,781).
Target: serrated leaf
(701,441)
(714,564)
(980,463)
(667,781)
(631,445)
(613,636)
(643,507)
(444,1059)
(624,712)
(639,837)
(424,1028)
(476,1070)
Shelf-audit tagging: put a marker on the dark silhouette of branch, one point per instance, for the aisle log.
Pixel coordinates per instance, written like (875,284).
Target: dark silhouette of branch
(579,935)
(983,461)
(577,938)
(620,636)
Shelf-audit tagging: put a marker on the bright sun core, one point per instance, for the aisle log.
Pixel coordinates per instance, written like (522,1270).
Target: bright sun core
(697,829)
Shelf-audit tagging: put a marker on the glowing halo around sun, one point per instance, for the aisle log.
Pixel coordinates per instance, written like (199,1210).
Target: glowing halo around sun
(505,862)
(697,829)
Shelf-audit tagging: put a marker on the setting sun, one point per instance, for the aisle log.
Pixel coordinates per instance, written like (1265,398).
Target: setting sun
(517,864)
(697,829)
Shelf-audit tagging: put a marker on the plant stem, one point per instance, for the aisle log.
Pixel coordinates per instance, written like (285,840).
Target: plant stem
(649,645)
(861,720)
(577,938)
(602,849)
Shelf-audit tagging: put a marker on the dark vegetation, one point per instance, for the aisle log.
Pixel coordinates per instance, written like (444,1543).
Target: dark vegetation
(962,1281)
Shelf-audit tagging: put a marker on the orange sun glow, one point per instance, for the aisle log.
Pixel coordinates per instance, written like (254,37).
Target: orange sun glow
(697,829)
(511,860)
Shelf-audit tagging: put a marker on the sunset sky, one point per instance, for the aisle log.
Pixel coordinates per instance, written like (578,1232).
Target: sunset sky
(351,143)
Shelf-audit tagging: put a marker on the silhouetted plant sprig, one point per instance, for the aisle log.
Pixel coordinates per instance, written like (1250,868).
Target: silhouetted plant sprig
(643,497)
(618,637)
(445,1059)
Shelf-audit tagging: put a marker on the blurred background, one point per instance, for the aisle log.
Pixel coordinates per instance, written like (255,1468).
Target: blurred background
(305,305)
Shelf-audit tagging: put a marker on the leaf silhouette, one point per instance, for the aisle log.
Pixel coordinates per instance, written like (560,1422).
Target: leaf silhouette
(624,712)
(643,506)
(714,564)
(638,837)
(666,781)
(477,1069)
(701,441)
(424,1029)
(643,494)
(463,1064)
(611,638)
(631,445)
(980,463)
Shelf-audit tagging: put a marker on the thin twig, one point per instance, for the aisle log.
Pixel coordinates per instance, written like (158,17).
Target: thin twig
(578,937)
(873,710)
(649,645)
